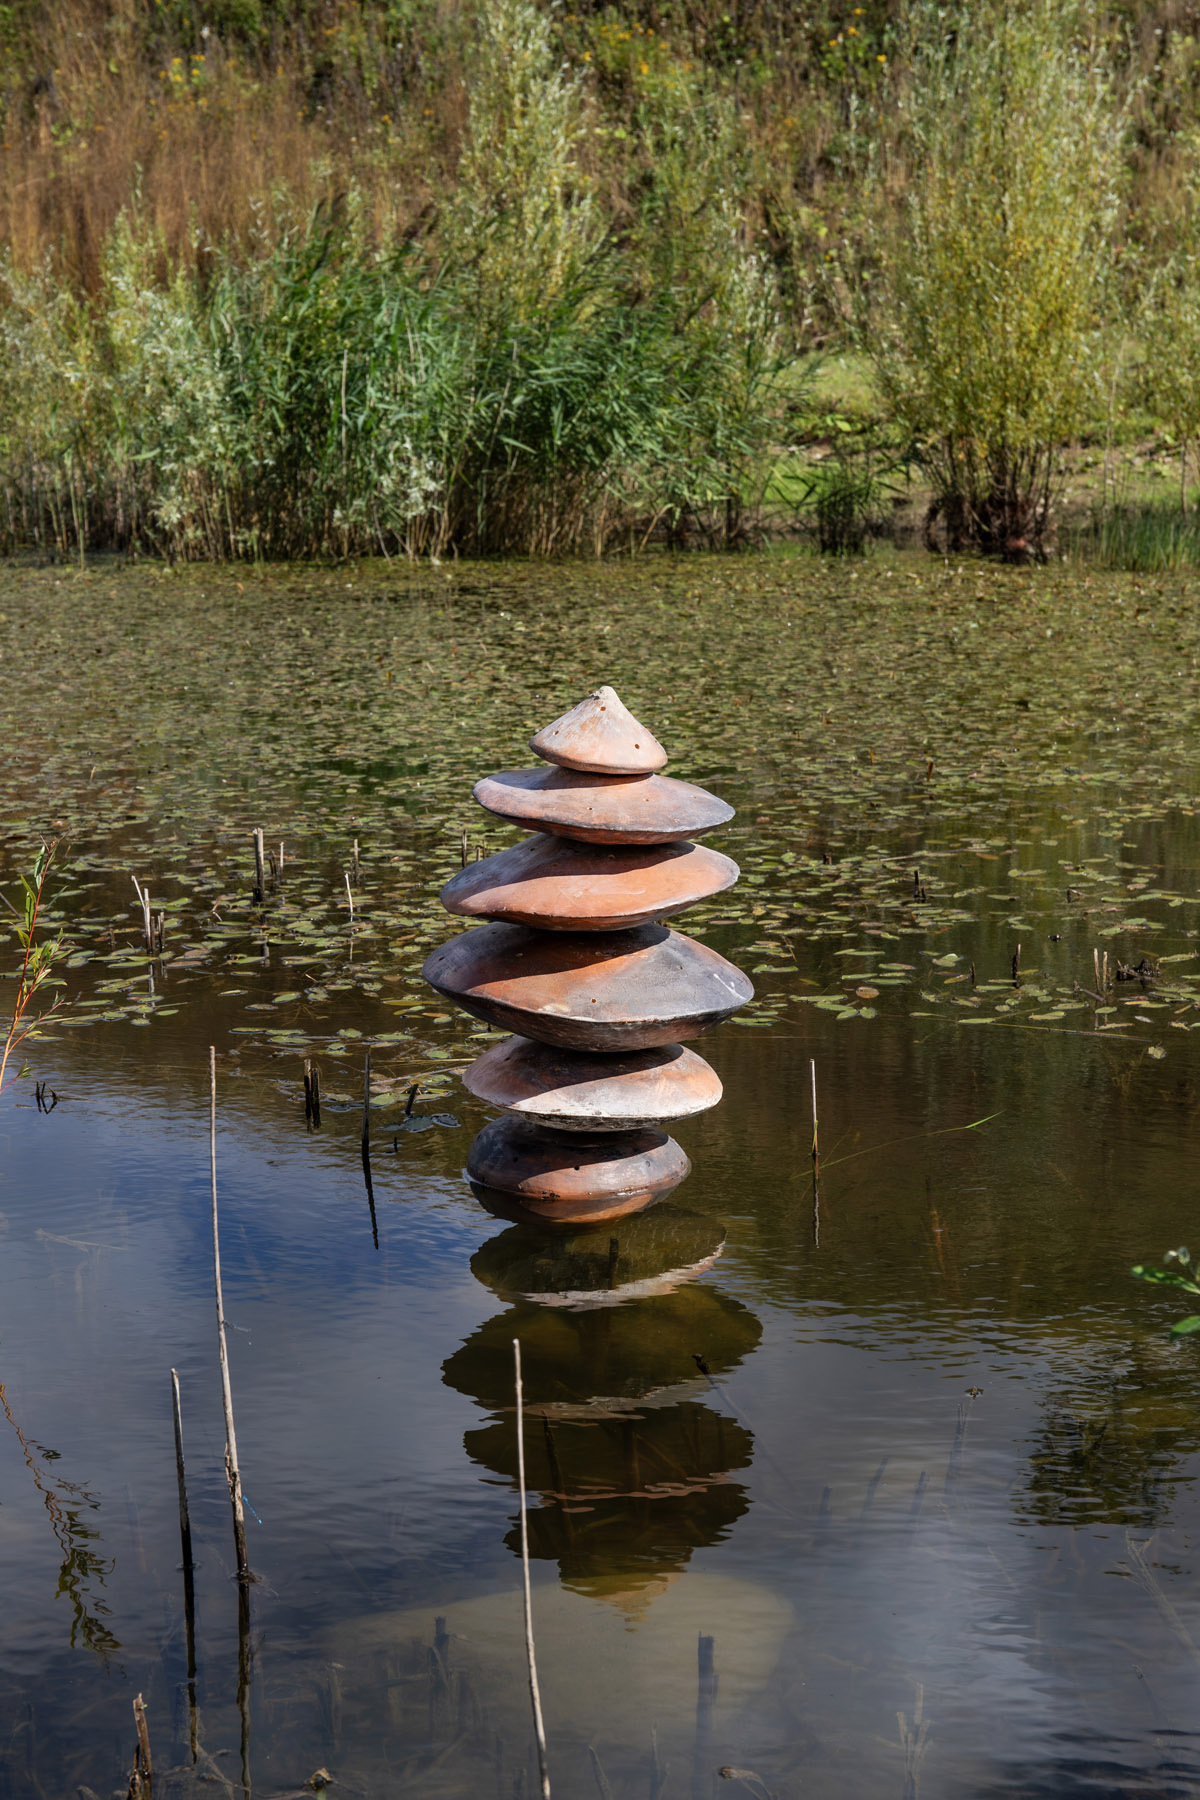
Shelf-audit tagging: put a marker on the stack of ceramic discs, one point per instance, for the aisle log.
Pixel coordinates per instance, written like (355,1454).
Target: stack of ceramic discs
(576,963)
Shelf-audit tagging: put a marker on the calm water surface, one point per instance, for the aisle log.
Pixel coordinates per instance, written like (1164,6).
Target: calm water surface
(933,1501)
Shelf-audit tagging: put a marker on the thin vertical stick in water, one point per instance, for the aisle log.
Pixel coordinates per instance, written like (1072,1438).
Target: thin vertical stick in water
(816,1157)
(531,1655)
(366,1148)
(232,1471)
(349,896)
(142,1764)
(189,1573)
(312,1095)
(954,1463)
(706,1695)
(260,874)
(872,1489)
(143,894)
(243,1688)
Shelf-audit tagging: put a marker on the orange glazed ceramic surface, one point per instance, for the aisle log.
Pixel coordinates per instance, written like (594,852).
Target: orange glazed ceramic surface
(595,990)
(538,1165)
(603,809)
(562,885)
(600,734)
(574,1090)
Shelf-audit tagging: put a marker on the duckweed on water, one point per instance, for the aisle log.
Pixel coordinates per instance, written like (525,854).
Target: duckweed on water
(938,761)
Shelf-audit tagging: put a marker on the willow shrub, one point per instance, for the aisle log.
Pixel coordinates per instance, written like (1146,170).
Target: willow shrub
(1169,372)
(985,314)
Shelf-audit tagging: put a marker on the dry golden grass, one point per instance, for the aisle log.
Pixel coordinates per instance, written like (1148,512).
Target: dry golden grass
(283,105)
(210,144)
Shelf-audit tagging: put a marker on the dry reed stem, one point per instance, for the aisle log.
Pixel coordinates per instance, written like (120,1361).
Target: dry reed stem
(530,1652)
(232,1470)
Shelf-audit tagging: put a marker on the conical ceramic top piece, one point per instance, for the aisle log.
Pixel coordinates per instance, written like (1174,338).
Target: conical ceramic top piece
(571,1090)
(593,990)
(539,1166)
(602,809)
(600,735)
(559,885)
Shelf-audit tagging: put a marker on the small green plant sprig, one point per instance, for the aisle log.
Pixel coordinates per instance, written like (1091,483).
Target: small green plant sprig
(37,959)
(1185,1276)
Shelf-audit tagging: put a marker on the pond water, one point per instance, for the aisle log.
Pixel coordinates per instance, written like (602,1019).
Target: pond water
(932,1494)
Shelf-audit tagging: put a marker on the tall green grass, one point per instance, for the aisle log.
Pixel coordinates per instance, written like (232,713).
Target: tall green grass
(525,383)
(320,400)
(1157,538)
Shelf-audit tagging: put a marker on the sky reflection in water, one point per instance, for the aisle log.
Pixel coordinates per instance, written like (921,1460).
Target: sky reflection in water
(933,1500)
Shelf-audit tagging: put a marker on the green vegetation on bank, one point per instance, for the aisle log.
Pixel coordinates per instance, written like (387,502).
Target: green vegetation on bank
(474,276)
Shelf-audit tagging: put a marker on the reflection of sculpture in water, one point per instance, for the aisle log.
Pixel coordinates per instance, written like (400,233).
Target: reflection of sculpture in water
(575,962)
(633,1462)
(628,1446)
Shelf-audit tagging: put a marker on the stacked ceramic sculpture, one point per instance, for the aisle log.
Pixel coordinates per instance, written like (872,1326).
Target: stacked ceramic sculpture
(576,963)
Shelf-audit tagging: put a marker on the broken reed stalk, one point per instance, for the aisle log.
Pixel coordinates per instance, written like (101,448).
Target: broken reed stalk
(143,894)
(816,1142)
(232,1471)
(312,1095)
(260,874)
(530,1653)
(350,896)
(142,1766)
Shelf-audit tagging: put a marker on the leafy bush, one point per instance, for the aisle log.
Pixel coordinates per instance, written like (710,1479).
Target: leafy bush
(1170,335)
(1151,538)
(985,315)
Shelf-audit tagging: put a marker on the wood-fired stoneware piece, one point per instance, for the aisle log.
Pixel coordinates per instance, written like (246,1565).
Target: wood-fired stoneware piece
(561,885)
(568,1169)
(602,809)
(596,990)
(600,734)
(571,1090)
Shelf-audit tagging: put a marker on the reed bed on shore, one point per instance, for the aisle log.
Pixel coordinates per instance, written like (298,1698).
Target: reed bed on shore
(293,278)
